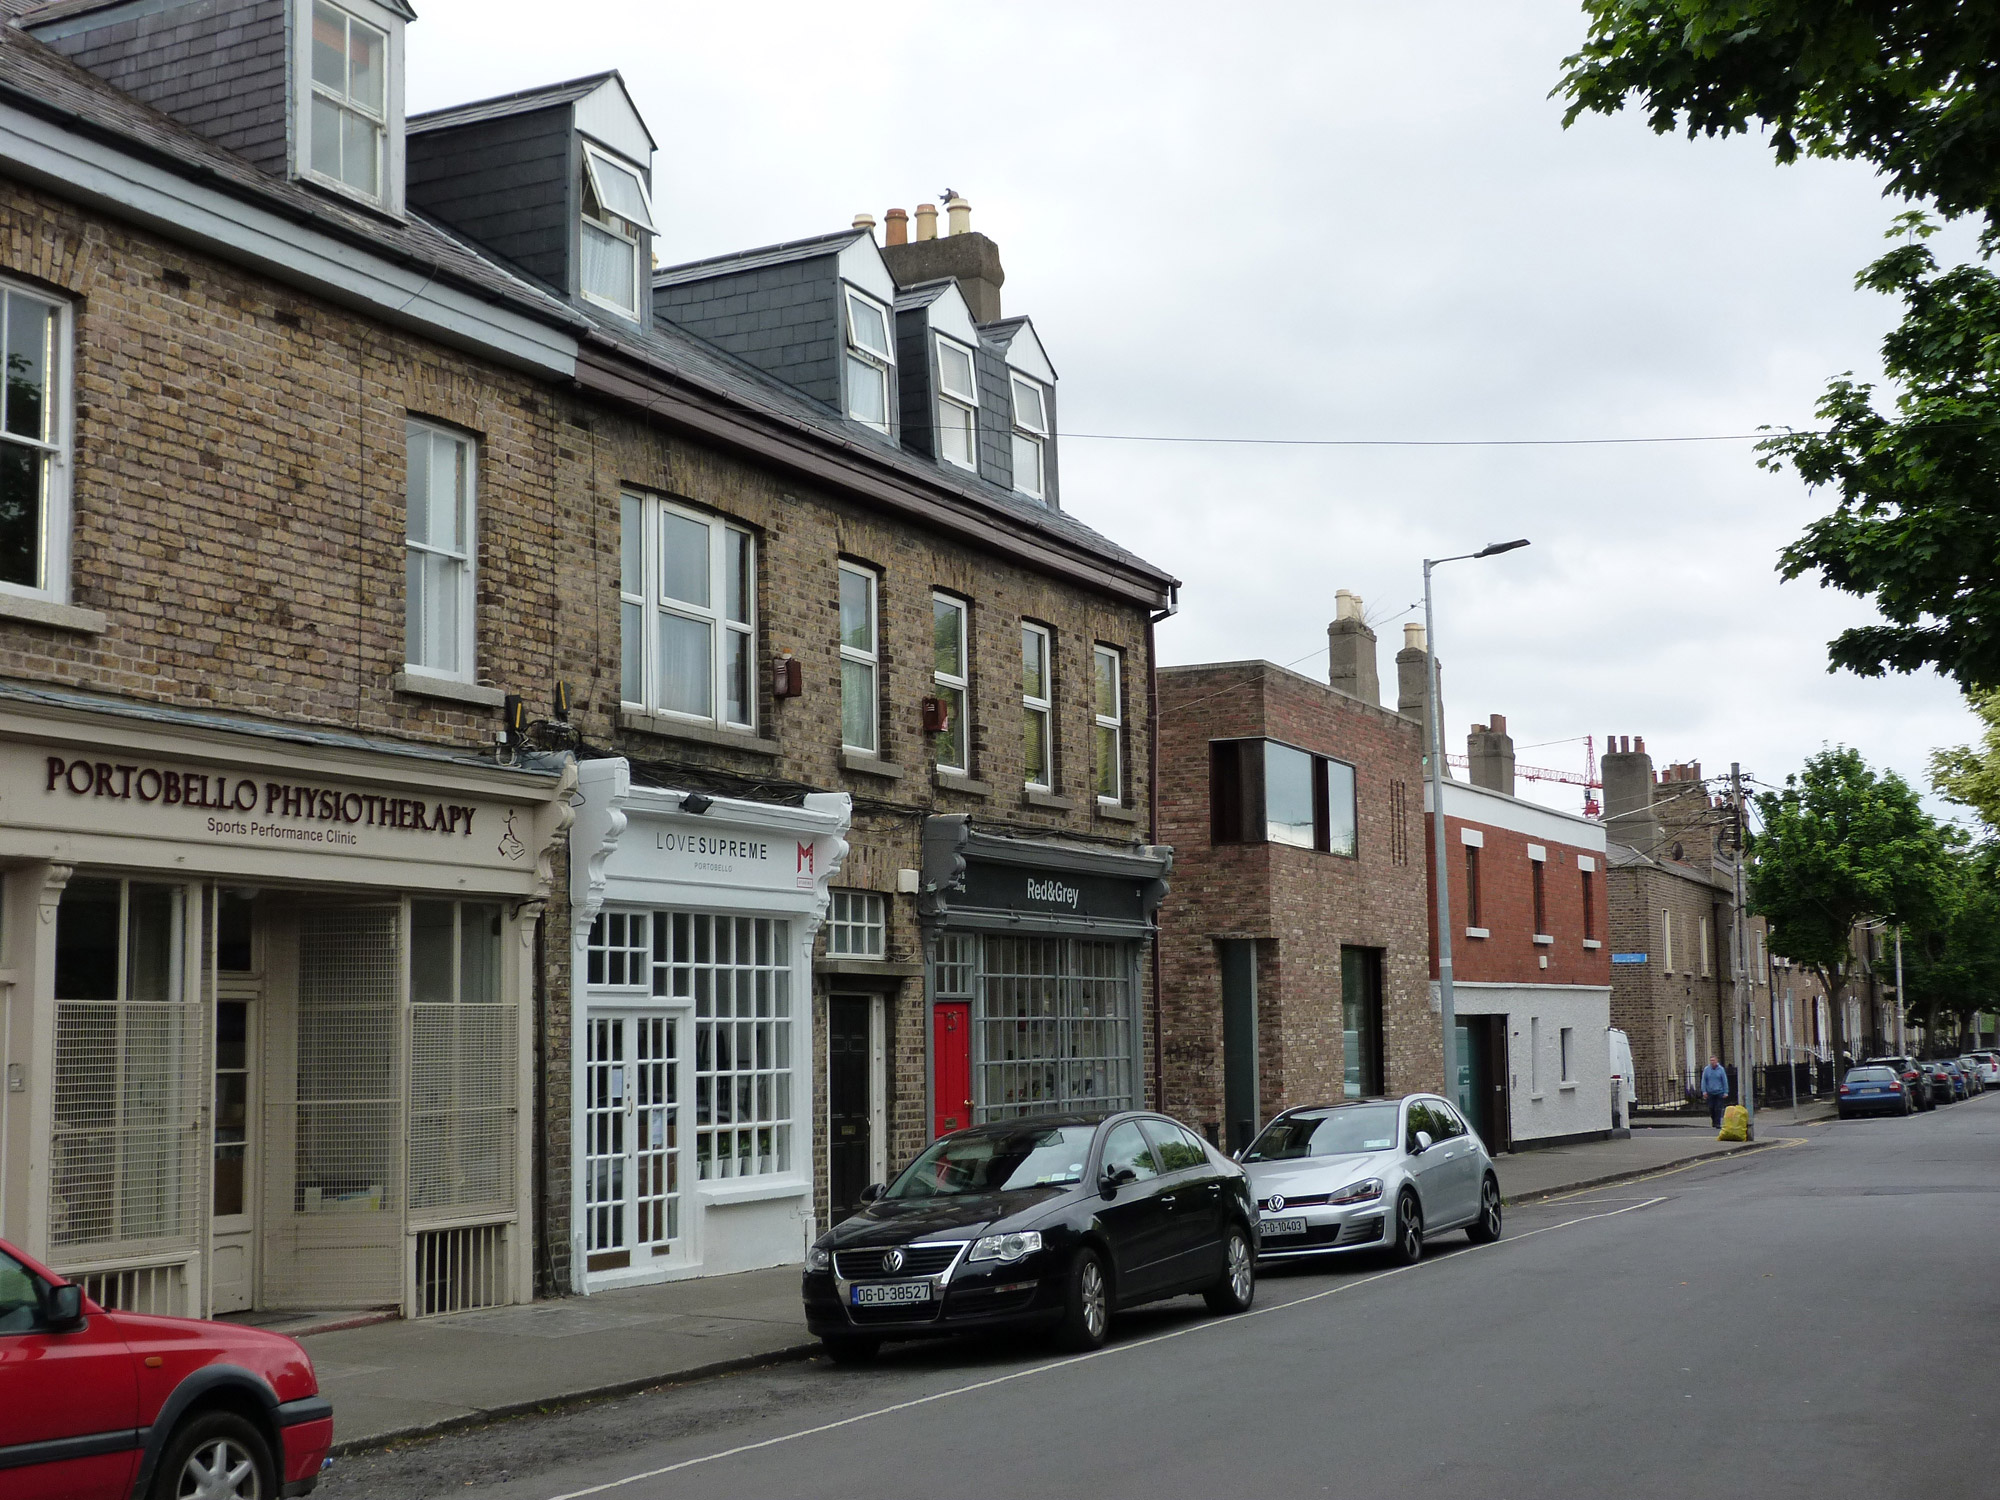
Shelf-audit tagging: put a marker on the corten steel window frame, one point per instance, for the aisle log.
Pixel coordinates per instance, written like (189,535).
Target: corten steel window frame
(1473,904)
(1239,804)
(344,102)
(642,598)
(857,660)
(880,362)
(635,234)
(52,445)
(1539,888)
(1039,709)
(964,405)
(952,689)
(1030,436)
(1110,736)
(463,558)
(1589,879)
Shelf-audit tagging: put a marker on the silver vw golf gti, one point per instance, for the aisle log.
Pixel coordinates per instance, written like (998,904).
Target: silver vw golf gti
(1370,1174)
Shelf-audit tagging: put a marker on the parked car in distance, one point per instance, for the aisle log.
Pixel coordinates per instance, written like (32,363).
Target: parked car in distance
(1937,1083)
(1910,1071)
(1370,1174)
(98,1405)
(1960,1089)
(1989,1065)
(1975,1073)
(1873,1091)
(1051,1221)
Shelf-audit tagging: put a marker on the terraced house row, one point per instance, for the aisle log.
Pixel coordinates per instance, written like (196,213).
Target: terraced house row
(520,771)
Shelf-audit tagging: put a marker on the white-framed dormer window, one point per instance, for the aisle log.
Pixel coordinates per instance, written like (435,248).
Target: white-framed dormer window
(350,104)
(441,541)
(616,229)
(870,357)
(1031,436)
(1037,691)
(860,661)
(948,680)
(1110,719)
(957,405)
(34,445)
(687,592)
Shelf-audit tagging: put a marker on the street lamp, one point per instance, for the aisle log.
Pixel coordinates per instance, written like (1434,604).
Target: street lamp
(1447,1006)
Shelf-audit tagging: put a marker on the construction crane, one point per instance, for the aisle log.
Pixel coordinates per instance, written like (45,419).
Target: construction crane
(1587,778)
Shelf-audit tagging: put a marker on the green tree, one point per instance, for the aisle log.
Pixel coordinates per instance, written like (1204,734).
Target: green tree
(1842,844)
(1951,963)
(1970,776)
(1911,87)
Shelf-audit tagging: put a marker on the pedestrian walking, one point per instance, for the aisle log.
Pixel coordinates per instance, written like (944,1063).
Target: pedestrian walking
(1715,1089)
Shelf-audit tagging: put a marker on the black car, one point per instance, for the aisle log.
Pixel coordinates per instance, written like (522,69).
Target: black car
(1911,1072)
(1937,1084)
(1051,1221)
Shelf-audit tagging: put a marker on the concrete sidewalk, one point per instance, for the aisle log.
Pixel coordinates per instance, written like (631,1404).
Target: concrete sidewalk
(397,1380)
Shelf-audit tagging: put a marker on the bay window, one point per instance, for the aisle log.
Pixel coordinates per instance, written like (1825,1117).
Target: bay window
(687,613)
(870,357)
(440,488)
(957,405)
(1031,435)
(859,660)
(34,445)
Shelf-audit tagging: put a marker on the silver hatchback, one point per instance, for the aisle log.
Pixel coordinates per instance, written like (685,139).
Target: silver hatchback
(1370,1174)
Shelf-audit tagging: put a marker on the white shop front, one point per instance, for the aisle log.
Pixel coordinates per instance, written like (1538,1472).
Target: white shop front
(691,1095)
(264,1006)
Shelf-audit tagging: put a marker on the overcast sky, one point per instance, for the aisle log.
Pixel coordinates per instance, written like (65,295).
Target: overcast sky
(1335,220)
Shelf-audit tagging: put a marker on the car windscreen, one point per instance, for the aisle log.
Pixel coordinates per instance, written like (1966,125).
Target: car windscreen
(1870,1075)
(997,1161)
(1331,1132)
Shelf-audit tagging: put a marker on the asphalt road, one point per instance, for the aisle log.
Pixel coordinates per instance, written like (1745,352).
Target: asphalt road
(1820,1318)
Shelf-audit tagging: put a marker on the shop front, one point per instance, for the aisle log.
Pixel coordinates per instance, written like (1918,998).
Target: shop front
(264,1004)
(691,1090)
(1033,967)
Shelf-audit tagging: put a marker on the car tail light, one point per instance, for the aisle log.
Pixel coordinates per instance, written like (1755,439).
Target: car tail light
(1845,1089)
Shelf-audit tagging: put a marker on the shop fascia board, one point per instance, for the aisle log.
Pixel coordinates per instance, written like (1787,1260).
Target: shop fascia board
(78,165)
(804,454)
(985,919)
(1148,862)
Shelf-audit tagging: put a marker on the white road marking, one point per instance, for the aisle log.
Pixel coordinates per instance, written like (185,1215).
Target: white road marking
(1076,1359)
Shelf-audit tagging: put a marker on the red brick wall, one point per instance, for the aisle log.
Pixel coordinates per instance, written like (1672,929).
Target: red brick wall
(1510,954)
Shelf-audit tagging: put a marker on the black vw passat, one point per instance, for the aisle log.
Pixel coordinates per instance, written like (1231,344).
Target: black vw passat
(1052,1221)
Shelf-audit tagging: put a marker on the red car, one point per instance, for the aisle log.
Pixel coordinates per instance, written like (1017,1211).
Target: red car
(96,1405)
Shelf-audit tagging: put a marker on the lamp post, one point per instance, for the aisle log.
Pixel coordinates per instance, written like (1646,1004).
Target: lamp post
(1447,1006)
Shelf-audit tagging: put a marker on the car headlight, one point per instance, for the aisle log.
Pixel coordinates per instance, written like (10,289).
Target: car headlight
(819,1258)
(1006,1246)
(1365,1191)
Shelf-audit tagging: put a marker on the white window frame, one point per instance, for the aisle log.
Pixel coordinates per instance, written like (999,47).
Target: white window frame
(1044,706)
(870,657)
(390,165)
(468,560)
(961,684)
(1701,943)
(1028,434)
(968,404)
(652,601)
(633,232)
(857,924)
(1534,1057)
(882,361)
(1114,721)
(54,551)
(1667,934)
(1566,1048)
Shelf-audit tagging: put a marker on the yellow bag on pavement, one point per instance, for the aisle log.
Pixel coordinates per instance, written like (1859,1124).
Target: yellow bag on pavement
(1735,1124)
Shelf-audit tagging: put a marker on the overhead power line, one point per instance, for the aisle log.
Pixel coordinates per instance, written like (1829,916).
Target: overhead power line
(1589,442)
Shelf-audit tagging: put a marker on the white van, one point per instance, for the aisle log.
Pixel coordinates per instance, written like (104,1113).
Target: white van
(1623,1092)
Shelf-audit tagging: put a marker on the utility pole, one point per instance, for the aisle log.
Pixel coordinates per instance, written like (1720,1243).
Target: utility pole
(1902,1049)
(1746,1066)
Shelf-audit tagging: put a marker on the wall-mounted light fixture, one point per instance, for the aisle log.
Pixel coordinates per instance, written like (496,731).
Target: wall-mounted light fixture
(696,803)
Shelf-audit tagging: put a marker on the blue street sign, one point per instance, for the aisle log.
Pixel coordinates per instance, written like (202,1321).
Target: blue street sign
(1628,958)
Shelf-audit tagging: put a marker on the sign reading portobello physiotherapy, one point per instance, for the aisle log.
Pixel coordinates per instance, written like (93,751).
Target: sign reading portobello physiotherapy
(1000,887)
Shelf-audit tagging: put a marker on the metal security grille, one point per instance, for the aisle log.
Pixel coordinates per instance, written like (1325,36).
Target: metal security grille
(462,1106)
(126,1169)
(738,972)
(143,1289)
(1054,1027)
(348,1141)
(463,1268)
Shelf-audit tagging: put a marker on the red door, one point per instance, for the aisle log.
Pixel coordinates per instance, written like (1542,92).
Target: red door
(77,1385)
(952,1081)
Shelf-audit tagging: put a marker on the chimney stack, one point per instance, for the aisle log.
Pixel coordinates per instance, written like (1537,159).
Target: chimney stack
(926,221)
(965,255)
(1628,795)
(1412,701)
(1489,754)
(897,228)
(1352,665)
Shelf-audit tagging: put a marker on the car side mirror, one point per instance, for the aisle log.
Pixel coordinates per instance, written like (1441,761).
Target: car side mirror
(873,1191)
(62,1308)
(1113,1181)
(1424,1143)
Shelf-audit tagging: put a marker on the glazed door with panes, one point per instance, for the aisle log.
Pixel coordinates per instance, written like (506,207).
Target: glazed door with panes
(234,1191)
(632,1134)
(850,1146)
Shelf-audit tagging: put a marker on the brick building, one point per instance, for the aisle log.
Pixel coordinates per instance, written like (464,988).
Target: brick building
(1531,973)
(341,431)
(1293,942)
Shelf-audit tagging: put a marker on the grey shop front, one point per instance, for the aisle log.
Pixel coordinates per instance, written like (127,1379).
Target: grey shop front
(1033,963)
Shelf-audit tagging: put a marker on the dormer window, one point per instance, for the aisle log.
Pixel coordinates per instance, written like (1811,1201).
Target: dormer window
(869,360)
(1031,435)
(617,216)
(957,406)
(350,102)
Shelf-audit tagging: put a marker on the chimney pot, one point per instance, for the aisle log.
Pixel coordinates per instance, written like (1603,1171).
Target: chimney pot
(926,221)
(1638,744)
(958,215)
(865,221)
(1347,605)
(1413,637)
(897,228)
(1499,724)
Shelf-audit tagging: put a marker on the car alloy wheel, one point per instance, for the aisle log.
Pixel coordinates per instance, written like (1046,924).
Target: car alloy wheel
(219,1471)
(1086,1318)
(1409,1229)
(1486,1228)
(217,1456)
(1237,1287)
(1090,1296)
